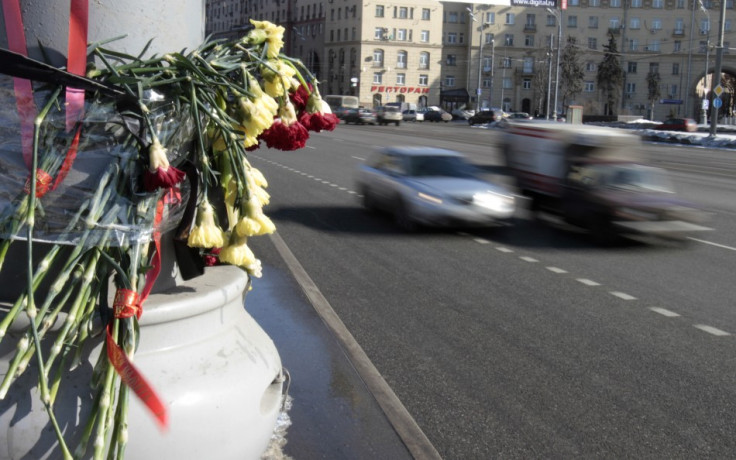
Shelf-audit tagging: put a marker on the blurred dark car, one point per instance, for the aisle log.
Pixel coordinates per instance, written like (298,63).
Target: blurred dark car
(340,112)
(360,117)
(432,186)
(437,115)
(484,116)
(678,124)
(520,116)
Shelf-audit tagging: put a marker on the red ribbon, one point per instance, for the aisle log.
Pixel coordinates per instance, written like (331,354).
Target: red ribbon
(127,303)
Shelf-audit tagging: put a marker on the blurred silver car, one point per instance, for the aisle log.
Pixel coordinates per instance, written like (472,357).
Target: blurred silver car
(431,186)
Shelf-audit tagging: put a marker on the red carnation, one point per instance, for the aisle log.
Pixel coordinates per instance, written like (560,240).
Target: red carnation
(319,121)
(286,133)
(300,97)
(160,173)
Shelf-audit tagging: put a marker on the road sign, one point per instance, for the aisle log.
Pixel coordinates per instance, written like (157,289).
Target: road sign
(704,105)
(717,102)
(718,90)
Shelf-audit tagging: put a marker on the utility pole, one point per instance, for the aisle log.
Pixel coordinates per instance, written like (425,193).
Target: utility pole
(716,80)
(549,73)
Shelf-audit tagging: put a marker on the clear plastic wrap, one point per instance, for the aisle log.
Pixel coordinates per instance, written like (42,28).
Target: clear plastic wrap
(101,196)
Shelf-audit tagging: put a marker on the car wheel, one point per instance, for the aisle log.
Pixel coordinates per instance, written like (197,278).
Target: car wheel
(403,217)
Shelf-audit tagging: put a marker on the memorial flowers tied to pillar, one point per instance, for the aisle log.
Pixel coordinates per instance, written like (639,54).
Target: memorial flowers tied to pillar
(170,136)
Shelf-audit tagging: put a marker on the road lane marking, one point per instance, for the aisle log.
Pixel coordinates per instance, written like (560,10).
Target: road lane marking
(358,158)
(711,330)
(528,259)
(664,312)
(588,282)
(556,270)
(622,295)
(713,244)
(503,249)
(481,241)
(406,427)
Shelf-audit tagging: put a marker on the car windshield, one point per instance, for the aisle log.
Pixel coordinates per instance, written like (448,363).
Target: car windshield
(636,177)
(436,165)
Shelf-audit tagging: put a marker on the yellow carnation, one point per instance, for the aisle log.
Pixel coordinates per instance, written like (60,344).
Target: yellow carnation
(206,233)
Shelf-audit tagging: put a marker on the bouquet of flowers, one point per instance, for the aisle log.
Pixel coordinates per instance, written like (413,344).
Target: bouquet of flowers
(169,132)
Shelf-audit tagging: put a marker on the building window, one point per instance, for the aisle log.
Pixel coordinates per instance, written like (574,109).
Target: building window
(528,40)
(680,4)
(528,65)
(630,88)
(461,38)
(635,24)
(507,83)
(424,60)
(449,81)
(653,67)
(425,14)
(400,78)
(423,80)
(673,91)
(452,17)
(634,44)
(531,20)
(656,24)
(403,12)
(452,37)
(676,68)
(657,3)
(615,3)
(377,77)
(574,2)
(487,64)
(631,68)
(451,60)
(594,3)
(592,43)
(486,83)
(526,83)
(590,66)
(677,46)
(510,18)
(636,3)
(378,33)
(490,17)
(506,62)
(378,58)
(614,23)
(653,46)
(551,20)
(509,39)
(593,22)
(401,60)
(401,35)
(488,39)
(589,87)
(572,22)
(379,11)
(424,36)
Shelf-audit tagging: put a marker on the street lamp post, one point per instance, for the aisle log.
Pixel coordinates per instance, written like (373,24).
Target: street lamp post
(549,74)
(478,88)
(558,17)
(490,88)
(707,59)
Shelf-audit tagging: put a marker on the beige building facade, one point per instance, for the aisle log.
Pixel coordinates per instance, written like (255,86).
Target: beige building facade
(495,54)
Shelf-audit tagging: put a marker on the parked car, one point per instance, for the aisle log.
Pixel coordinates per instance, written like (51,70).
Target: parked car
(437,115)
(484,116)
(389,114)
(432,186)
(360,117)
(409,115)
(678,124)
(421,112)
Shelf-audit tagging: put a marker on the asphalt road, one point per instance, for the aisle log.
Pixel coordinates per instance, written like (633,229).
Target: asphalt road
(531,342)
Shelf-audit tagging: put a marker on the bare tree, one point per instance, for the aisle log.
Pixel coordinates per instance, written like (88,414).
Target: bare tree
(572,71)
(653,92)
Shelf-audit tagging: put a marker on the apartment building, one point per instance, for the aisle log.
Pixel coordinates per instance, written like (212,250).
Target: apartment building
(497,53)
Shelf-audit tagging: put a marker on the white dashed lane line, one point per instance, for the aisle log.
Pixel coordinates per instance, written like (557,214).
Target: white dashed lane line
(711,330)
(621,295)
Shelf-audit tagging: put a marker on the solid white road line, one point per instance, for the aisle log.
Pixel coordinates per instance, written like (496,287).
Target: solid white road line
(713,244)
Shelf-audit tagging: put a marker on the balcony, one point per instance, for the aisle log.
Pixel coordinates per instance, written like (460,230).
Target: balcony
(530,27)
(678,33)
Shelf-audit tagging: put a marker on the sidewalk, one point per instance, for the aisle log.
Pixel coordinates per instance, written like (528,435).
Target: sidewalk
(333,414)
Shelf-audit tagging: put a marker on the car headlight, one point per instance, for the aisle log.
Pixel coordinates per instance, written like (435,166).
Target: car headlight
(429,198)
(493,201)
